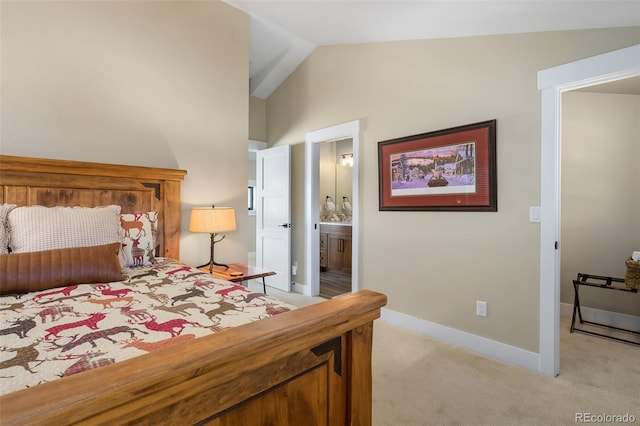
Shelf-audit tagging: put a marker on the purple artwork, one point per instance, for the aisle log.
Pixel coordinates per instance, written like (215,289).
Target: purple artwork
(446,169)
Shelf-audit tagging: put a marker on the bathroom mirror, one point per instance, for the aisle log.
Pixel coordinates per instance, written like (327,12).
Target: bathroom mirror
(336,176)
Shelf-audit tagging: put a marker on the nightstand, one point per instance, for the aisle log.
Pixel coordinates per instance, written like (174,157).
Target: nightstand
(246,273)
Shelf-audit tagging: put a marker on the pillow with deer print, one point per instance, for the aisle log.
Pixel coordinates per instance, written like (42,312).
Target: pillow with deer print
(4,233)
(139,237)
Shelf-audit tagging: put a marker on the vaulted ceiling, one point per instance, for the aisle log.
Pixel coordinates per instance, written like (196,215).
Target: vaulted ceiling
(284,33)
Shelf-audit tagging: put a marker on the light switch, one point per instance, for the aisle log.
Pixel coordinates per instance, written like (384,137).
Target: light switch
(534,214)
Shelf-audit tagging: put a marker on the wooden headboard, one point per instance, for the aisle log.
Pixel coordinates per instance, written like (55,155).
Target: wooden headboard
(37,181)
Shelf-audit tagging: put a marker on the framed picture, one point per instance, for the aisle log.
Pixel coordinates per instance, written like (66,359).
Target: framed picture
(448,170)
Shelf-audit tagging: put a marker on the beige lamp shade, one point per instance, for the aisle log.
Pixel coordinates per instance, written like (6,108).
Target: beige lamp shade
(212,219)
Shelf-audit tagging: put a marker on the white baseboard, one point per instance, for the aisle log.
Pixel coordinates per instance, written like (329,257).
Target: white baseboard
(298,288)
(491,348)
(498,350)
(615,319)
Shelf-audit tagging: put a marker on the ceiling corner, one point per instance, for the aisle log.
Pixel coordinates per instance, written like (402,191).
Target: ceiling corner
(265,82)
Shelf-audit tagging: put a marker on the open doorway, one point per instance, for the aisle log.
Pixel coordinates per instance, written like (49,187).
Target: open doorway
(254,146)
(316,205)
(600,201)
(336,217)
(552,82)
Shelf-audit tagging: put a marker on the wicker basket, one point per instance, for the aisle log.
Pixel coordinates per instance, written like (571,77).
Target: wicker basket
(632,278)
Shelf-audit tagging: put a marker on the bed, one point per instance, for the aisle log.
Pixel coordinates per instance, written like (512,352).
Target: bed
(310,365)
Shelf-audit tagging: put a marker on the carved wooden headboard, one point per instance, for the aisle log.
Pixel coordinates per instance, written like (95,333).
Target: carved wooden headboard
(36,181)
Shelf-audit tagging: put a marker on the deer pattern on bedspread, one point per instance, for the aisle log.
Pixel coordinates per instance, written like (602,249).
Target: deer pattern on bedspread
(59,332)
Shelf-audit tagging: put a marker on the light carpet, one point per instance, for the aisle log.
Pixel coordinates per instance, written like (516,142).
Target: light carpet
(420,381)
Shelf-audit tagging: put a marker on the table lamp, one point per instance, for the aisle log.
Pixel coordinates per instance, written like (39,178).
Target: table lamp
(213,220)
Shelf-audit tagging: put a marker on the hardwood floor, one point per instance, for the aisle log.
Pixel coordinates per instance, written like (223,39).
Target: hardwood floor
(334,284)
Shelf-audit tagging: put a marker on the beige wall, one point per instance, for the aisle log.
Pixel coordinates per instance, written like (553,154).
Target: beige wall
(257,119)
(600,193)
(435,265)
(146,83)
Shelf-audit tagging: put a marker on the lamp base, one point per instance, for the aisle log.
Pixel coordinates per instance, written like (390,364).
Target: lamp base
(212,262)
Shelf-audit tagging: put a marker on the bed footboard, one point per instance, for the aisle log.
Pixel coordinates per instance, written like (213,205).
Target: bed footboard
(308,366)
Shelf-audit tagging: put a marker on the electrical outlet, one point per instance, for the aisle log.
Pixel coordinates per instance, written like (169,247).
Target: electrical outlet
(294,268)
(481,308)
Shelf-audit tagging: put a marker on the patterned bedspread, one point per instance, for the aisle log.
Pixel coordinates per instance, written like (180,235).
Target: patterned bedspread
(55,333)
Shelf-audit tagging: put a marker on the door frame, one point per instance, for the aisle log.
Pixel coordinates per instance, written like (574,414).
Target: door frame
(342,131)
(552,82)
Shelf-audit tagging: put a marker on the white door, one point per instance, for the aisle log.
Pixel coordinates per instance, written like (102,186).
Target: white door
(273,214)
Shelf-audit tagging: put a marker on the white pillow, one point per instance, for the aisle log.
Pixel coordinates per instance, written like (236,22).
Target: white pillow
(38,228)
(4,232)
